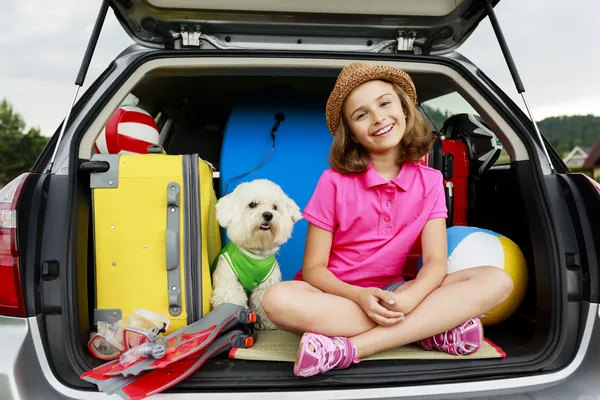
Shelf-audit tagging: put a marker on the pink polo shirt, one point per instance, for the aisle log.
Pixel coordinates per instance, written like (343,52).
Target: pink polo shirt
(375,223)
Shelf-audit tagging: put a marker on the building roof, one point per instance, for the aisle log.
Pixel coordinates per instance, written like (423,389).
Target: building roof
(576,152)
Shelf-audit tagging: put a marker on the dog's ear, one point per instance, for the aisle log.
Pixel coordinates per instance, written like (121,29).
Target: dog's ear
(225,207)
(293,209)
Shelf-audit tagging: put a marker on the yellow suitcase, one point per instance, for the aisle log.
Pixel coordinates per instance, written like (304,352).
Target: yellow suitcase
(155,235)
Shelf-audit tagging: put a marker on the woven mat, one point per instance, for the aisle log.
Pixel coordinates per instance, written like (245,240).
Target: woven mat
(282,346)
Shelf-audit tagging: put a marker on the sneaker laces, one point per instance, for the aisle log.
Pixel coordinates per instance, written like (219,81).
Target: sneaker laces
(447,341)
(326,349)
(452,341)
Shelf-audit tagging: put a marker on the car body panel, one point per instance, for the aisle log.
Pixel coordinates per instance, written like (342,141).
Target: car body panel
(442,24)
(25,373)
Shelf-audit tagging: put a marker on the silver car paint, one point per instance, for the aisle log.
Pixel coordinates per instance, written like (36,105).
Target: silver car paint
(25,374)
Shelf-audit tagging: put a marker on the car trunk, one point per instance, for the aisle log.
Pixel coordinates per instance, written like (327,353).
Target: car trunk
(217,53)
(502,201)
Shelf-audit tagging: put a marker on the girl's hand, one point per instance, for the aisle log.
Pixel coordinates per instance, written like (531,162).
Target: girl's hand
(370,300)
(403,302)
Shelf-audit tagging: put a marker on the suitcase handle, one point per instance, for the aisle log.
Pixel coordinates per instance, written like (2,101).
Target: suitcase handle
(172,243)
(450,203)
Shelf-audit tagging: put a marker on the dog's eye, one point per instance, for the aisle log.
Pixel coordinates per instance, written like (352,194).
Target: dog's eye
(253,204)
(275,207)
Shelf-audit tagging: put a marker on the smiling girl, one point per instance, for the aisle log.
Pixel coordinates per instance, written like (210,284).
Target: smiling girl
(350,301)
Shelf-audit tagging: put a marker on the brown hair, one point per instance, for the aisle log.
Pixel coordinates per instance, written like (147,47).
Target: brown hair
(349,156)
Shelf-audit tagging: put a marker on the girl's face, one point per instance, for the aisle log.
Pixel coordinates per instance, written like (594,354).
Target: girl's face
(375,116)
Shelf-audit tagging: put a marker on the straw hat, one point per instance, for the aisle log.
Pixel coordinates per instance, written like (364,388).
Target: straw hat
(356,74)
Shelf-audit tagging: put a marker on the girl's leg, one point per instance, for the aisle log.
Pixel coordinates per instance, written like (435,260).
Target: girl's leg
(298,307)
(463,295)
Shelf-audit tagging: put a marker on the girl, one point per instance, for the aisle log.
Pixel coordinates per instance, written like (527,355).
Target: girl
(349,300)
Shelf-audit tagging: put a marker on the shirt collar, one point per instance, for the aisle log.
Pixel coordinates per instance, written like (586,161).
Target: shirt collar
(371,177)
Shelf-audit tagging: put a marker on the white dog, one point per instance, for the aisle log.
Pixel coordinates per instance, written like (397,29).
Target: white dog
(259,217)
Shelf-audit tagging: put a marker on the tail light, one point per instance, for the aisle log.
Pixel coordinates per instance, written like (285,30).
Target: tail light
(11,290)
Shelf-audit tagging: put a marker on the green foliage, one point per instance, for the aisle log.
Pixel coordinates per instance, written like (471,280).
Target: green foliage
(588,171)
(436,116)
(566,132)
(18,148)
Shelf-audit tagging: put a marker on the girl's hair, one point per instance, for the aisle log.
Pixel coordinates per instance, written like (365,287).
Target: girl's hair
(348,156)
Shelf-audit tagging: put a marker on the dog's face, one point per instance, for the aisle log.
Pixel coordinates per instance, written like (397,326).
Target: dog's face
(258,215)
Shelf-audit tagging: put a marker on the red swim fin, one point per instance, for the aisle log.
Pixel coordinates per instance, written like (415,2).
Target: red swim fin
(176,350)
(193,338)
(191,342)
(158,380)
(106,384)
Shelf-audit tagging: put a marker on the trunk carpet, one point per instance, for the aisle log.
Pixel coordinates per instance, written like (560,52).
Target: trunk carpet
(282,346)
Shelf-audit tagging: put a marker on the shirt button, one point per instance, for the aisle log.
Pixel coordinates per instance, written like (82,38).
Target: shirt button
(389,203)
(386,219)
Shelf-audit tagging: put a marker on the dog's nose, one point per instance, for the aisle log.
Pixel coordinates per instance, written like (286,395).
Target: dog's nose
(267,215)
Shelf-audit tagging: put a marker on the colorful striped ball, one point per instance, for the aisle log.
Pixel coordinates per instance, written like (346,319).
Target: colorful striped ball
(130,130)
(470,247)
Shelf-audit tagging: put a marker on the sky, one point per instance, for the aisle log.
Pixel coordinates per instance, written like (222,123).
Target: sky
(555,45)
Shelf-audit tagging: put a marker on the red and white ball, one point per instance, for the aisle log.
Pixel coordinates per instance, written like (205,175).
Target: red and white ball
(130,130)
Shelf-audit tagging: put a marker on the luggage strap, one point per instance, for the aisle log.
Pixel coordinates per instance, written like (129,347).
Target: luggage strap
(172,243)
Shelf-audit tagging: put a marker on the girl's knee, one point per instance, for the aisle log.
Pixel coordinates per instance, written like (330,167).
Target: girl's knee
(282,296)
(496,280)
(273,296)
(504,283)
(493,279)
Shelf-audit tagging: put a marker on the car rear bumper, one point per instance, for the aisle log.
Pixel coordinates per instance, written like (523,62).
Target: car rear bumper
(26,374)
(24,369)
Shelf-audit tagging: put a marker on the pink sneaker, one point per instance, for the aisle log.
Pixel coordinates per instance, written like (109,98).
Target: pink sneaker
(319,353)
(462,340)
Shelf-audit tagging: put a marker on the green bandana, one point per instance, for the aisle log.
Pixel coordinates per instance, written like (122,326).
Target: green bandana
(251,270)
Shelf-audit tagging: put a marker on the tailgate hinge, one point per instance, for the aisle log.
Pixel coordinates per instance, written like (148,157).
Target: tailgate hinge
(406,40)
(190,36)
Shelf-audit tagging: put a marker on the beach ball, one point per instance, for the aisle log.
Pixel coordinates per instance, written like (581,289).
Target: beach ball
(470,247)
(130,130)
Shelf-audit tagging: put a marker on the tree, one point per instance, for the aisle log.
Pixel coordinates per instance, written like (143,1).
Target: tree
(566,132)
(437,117)
(18,149)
